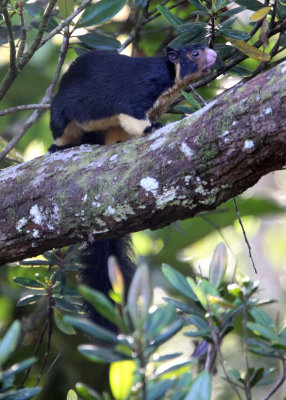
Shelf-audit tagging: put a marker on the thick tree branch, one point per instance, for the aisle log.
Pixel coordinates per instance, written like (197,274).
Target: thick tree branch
(181,170)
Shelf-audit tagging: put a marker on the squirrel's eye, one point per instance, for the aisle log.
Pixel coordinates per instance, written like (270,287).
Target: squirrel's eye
(195,53)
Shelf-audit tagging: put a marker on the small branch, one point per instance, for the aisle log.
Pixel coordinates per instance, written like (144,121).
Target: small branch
(245,348)
(23,34)
(280,381)
(63,24)
(50,331)
(36,43)
(24,108)
(219,355)
(46,99)
(244,234)
(136,29)
(13,64)
(159,14)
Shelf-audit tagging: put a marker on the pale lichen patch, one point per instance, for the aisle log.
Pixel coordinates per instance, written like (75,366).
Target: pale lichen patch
(268,110)
(36,214)
(110,211)
(248,144)
(283,70)
(186,150)
(149,185)
(158,143)
(114,157)
(22,222)
(166,197)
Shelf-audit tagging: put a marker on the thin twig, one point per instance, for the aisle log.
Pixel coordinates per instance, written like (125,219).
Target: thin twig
(63,24)
(13,64)
(37,348)
(50,331)
(23,108)
(36,43)
(23,34)
(46,99)
(136,29)
(280,381)
(245,348)
(244,234)
(169,8)
(217,348)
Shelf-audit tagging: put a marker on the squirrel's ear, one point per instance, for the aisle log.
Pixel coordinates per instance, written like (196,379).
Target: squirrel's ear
(173,55)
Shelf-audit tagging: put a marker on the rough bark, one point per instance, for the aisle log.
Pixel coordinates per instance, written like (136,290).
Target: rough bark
(185,168)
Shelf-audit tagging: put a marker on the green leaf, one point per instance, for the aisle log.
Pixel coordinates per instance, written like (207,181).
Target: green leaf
(168,333)
(170,17)
(186,39)
(281,8)
(239,70)
(165,357)
(87,392)
(201,388)
(159,319)
(233,11)
(9,342)
(30,299)
(19,367)
(186,308)
(199,6)
(21,394)
(262,318)
(218,265)
(65,305)
(99,41)
(253,5)
(168,370)
(192,27)
(226,24)
(121,377)
(101,12)
(66,8)
(258,375)
(72,395)
(202,290)
(100,303)
(220,4)
(178,281)
(28,283)
(263,331)
(140,294)
(191,100)
(61,324)
(92,329)
(157,390)
(236,34)
(101,354)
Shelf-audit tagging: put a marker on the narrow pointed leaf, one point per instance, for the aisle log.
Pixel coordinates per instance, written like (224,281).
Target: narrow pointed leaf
(201,388)
(260,14)
(121,377)
(90,328)
(169,16)
(101,12)
(178,281)
(9,342)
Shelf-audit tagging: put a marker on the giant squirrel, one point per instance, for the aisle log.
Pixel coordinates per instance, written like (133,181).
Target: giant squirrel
(106,98)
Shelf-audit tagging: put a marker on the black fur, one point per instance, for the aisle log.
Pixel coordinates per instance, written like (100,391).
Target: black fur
(101,84)
(94,269)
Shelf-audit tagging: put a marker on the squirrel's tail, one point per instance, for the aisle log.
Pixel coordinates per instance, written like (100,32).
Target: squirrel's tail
(94,269)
